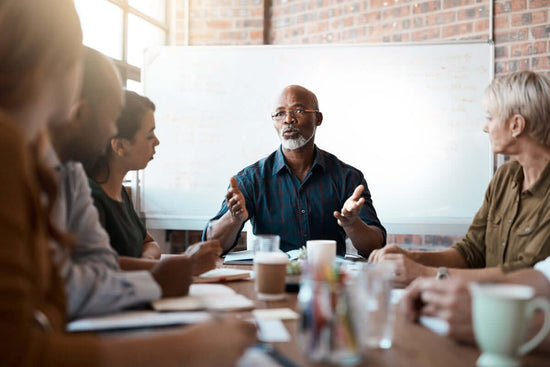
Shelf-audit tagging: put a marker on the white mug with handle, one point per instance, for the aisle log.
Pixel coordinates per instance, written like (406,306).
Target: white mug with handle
(501,314)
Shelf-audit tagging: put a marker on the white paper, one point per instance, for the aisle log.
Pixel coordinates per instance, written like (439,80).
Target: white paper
(220,274)
(396,295)
(272,331)
(435,324)
(206,296)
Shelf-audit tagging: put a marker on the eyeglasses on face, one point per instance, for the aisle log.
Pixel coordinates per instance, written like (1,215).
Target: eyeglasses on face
(297,113)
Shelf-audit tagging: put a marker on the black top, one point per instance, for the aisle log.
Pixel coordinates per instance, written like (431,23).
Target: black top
(120,220)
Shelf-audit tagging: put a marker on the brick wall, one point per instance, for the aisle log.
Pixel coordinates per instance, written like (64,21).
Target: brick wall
(221,22)
(521,32)
(521,27)
(522,36)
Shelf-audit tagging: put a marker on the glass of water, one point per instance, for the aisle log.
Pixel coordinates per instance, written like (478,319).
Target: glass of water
(374,286)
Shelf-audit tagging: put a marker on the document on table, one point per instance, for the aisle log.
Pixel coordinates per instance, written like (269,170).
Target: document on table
(272,331)
(136,319)
(206,296)
(246,257)
(222,275)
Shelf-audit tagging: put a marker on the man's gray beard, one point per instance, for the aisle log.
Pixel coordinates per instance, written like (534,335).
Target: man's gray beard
(293,144)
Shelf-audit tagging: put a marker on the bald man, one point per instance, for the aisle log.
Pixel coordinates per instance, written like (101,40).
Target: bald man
(300,192)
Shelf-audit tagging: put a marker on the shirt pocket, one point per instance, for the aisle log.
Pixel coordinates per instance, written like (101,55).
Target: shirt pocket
(528,244)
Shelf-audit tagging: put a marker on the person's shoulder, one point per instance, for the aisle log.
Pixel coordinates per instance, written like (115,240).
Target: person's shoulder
(74,170)
(335,164)
(72,173)
(97,191)
(260,167)
(11,137)
(507,169)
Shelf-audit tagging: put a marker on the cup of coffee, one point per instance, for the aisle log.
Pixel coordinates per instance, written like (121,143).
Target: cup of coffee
(320,252)
(269,268)
(500,315)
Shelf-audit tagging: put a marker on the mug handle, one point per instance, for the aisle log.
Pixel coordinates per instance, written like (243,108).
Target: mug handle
(533,305)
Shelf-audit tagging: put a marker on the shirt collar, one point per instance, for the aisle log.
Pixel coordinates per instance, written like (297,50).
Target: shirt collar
(280,163)
(541,186)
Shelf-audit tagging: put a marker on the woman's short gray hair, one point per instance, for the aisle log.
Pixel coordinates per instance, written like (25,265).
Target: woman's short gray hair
(525,93)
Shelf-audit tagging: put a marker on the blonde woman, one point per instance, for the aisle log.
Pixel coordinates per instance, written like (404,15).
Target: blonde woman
(511,230)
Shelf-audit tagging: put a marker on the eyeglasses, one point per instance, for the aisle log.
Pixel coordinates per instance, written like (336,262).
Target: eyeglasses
(297,113)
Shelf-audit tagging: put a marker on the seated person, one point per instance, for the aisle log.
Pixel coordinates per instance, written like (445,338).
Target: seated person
(300,192)
(131,149)
(40,75)
(94,281)
(510,231)
(449,299)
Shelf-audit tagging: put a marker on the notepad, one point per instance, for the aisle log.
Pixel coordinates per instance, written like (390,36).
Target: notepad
(206,296)
(246,257)
(222,275)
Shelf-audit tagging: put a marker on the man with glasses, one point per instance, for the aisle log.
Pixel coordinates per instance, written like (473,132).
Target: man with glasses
(299,192)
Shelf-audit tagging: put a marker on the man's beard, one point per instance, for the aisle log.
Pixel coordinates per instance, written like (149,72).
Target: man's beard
(297,143)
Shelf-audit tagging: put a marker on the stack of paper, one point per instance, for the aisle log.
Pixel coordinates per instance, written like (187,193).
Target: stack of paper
(222,275)
(206,296)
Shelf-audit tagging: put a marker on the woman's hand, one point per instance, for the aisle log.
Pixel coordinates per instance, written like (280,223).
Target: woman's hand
(448,299)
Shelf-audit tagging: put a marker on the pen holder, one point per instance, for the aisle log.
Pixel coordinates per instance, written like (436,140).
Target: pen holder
(327,328)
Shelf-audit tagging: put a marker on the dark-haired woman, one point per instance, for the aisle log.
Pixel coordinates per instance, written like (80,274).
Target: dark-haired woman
(131,149)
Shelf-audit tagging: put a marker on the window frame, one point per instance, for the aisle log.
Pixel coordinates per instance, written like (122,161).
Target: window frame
(127,70)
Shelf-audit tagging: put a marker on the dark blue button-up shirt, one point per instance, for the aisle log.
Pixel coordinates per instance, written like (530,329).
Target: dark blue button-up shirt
(278,203)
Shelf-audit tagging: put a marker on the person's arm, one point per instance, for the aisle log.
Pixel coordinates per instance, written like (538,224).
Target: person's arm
(133,263)
(93,280)
(214,343)
(151,249)
(228,226)
(365,238)
(450,299)
(173,274)
(409,265)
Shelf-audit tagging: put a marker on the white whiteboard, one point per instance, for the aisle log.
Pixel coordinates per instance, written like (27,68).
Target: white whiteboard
(408,116)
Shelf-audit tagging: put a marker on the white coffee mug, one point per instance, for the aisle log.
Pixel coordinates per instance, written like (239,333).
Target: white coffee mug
(320,252)
(500,315)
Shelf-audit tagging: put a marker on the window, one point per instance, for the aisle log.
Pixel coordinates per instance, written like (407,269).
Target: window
(122,30)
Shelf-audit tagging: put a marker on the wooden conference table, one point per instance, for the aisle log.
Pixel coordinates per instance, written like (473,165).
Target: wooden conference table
(413,344)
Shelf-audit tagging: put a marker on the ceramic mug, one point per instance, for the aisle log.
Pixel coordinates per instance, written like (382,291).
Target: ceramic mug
(500,315)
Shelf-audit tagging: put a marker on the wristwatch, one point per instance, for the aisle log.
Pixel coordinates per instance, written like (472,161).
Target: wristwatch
(442,273)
